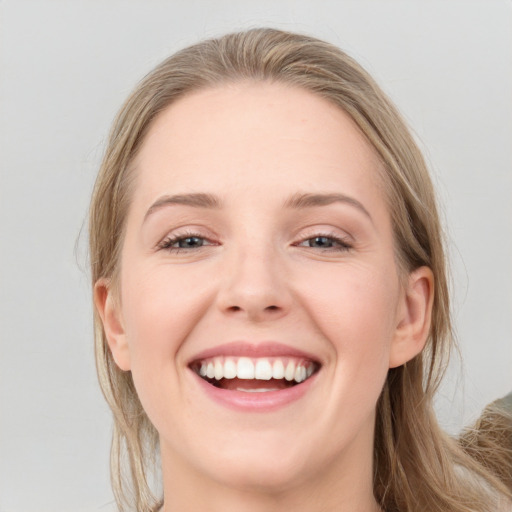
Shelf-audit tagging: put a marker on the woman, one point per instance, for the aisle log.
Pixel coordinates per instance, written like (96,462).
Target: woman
(271,293)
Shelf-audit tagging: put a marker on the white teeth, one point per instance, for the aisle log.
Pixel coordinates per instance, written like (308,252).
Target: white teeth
(229,369)
(300,374)
(289,373)
(210,370)
(219,369)
(245,368)
(263,370)
(278,369)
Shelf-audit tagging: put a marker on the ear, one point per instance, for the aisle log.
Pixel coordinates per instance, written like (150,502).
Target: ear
(413,319)
(109,310)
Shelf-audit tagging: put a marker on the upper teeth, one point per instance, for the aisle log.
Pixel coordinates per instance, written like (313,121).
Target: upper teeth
(259,368)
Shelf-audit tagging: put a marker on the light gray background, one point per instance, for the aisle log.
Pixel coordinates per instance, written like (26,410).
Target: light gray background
(65,68)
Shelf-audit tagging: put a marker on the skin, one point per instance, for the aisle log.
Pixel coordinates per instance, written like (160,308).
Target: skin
(261,275)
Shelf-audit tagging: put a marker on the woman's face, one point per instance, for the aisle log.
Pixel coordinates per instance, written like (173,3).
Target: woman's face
(258,251)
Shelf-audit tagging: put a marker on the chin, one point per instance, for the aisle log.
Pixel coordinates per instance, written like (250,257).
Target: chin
(262,474)
(269,462)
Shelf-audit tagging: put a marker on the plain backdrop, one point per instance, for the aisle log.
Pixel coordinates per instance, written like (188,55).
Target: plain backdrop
(65,68)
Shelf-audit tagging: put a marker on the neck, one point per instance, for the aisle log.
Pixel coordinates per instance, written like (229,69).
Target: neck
(250,501)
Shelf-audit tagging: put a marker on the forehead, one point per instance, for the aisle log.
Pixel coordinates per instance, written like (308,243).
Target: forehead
(256,140)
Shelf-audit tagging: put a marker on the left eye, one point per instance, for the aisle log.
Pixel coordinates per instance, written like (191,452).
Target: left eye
(325,242)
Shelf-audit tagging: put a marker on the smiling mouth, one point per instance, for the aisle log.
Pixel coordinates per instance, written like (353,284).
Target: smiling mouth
(254,375)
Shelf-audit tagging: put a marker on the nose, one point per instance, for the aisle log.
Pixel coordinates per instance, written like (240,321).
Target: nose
(254,286)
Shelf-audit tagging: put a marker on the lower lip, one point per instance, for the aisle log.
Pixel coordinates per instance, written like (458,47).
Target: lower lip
(255,402)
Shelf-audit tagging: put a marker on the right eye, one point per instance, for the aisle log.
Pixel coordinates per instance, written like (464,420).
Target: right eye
(186,242)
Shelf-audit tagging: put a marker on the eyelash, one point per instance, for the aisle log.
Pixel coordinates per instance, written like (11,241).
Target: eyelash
(168,242)
(343,244)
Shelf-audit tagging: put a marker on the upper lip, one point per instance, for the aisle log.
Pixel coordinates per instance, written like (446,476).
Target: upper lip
(254,350)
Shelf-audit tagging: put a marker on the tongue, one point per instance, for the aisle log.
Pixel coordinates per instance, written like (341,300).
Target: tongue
(252,384)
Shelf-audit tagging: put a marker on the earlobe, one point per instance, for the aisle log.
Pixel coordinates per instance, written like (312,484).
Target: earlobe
(414,316)
(108,308)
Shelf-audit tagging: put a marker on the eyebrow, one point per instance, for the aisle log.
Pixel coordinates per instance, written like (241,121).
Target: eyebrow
(299,201)
(296,201)
(198,200)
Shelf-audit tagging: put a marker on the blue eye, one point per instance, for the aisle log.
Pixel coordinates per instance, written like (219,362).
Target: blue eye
(322,242)
(183,242)
(325,242)
(191,242)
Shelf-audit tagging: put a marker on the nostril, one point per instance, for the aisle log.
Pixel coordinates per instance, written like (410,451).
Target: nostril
(271,308)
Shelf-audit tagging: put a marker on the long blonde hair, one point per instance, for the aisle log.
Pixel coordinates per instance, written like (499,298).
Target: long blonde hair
(416,466)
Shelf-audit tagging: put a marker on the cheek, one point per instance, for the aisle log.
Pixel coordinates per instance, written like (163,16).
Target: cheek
(160,310)
(355,310)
